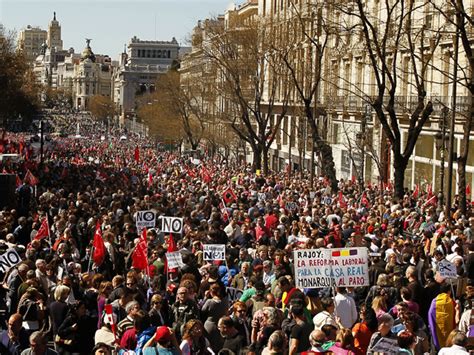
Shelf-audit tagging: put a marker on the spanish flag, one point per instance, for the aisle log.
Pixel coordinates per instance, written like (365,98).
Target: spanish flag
(441,319)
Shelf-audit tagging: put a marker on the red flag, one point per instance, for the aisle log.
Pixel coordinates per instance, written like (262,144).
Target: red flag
(206,175)
(171,248)
(432,201)
(364,201)
(229,196)
(140,254)
(190,172)
(353,179)
(18,181)
(171,244)
(43,232)
(150,179)
(342,201)
(137,154)
(468,189)
(109,314)
(416,191)
(30,178)
(99,247)
(430,191)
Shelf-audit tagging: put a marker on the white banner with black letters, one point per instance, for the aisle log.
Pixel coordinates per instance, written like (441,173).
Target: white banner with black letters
(172,225)
(213,252)
(9,259)
(145,219)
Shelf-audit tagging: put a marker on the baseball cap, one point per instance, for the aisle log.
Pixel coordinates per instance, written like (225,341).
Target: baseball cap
(162,334)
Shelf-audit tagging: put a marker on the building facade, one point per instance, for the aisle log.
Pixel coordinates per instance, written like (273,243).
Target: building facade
(138,70)
(327,37)
(30,42)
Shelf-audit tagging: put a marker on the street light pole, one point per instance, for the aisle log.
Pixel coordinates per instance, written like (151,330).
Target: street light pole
(442,145)
(363,125)
(41,142)
(452,126)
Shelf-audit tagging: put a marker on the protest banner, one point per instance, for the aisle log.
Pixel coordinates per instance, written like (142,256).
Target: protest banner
(213,252)
(447,269)
(344,267)
(172,225)
(233,294)
(175,259)
(386,346)
(9,259)
(145,219)
(291,206)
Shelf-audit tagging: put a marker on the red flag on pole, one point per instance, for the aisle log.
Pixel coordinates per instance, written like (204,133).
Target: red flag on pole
(137,154)
(18,181)
(99,247)
(432,201)
(229,196)
(342,201)
(430,191)
(30,178)
(150,179)
(140,254)
(43,232)
(171,248)
(364,201)
(468,189)
(109,315)
(416,191)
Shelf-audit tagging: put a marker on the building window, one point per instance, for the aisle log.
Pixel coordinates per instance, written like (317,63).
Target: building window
(158,55)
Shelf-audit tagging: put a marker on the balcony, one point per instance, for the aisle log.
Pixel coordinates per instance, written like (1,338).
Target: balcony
(403,104)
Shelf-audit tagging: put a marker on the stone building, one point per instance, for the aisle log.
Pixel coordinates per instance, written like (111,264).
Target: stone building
(30,42)
(139,67)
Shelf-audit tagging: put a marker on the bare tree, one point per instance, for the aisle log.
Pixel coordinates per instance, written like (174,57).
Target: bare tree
(251,84)
(396,43)
(302,51)
(461,23)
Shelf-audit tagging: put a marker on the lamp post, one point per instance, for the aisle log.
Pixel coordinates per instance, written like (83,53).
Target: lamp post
(440,137)
(452,124)
(363,124)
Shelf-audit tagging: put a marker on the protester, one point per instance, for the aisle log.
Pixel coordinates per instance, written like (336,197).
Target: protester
(88,269)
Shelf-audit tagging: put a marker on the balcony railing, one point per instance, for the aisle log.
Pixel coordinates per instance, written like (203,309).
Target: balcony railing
(407,104)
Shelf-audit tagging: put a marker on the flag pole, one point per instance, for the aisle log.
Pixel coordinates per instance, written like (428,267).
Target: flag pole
(90,259)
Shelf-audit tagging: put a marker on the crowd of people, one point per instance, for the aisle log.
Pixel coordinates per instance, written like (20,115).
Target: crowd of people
(60,299)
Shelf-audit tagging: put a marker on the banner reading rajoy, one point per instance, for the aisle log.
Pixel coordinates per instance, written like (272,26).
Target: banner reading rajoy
(317,268)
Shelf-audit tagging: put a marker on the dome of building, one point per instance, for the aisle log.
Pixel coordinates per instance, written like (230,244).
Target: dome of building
(87,54)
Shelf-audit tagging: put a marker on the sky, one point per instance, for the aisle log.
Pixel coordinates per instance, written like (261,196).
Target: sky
(111,23)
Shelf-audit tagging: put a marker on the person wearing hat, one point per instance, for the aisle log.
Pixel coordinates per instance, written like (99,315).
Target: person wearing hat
(163,343)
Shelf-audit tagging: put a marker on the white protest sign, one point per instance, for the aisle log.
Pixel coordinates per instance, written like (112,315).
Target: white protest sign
(262,196)
(175,260)
(172,225)
(213,252)
(145,219)
(386,346)
(9,259)
(291,206)
(233,294)
(345,267)
(447,269)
